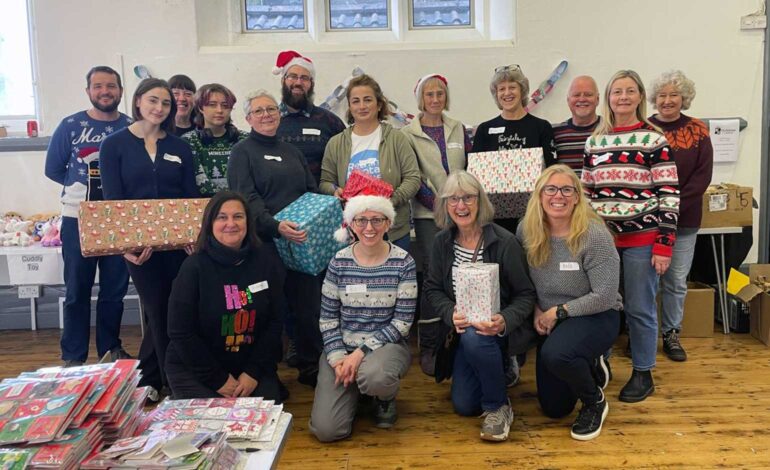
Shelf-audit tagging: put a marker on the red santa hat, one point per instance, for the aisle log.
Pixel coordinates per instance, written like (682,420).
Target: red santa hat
(421,83)
(286,59)
(359,204)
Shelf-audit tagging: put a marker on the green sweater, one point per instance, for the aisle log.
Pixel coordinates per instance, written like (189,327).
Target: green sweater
(398,166)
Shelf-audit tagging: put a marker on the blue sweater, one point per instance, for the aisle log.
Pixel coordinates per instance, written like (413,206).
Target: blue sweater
(128,172)
(73,158)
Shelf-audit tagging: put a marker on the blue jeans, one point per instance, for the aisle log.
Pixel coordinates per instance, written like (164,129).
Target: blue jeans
(478,378)
(79,274)
(402,242)
(673,284)
(640,284)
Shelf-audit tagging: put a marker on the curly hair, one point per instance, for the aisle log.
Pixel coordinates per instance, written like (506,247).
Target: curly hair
(683,85)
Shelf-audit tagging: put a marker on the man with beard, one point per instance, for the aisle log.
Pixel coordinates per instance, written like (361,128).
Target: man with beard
(570,136)
(73,162)
(303,124)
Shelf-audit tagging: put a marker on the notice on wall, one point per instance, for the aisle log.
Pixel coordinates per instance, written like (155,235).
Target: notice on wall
(724,137)
(37,268)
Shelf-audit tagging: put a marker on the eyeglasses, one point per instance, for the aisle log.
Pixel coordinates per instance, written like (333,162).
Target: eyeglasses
(215,105)
(362,222)
(259,112)
(566,191)
(302,78)
(467,199)
(508,68)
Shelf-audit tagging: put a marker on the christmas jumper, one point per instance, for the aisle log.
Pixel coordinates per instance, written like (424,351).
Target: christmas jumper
(570,142)
(211,160)
(225,313)
(630,178)
(504,134)
(689,139)
(367,305)
(73,158)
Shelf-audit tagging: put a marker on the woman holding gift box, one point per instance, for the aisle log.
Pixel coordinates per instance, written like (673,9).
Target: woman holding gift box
(146,161)
(630,177)
(575,269)
(373,147)
(440,144)
(225,310)
(368,305)
(465,214)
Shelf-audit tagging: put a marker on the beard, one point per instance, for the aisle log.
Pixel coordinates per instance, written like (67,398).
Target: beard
(108,108)
(297,101)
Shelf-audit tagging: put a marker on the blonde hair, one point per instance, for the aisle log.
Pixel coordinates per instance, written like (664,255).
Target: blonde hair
(535,229)
(433,81)
(466,183)
(514,75)
(607,124)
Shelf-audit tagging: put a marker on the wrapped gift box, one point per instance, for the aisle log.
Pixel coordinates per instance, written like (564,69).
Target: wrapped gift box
(361,182)
(508,177)
(116,227)
(320,215)
(477,290)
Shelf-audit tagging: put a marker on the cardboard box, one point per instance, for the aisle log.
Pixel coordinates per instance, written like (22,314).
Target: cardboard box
(758,294)
(117,227)
(727,205)
(698,320)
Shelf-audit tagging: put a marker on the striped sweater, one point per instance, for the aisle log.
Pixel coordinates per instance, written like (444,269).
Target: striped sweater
(367,305)
(570,141)
(631,180)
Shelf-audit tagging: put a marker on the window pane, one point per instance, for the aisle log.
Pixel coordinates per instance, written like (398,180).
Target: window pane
(359,14)
(16,93)
(275,15)
(437,13)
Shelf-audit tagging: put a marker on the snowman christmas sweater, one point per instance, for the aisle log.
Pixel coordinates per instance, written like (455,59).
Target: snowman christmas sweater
(630,178)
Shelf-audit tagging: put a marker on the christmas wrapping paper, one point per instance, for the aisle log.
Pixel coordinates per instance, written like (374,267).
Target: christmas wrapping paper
(477,290)
(320,215)
(508,177)
(117,227)
(360,182)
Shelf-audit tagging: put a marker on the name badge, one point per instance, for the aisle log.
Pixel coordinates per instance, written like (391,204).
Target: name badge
(602,158)
(454,145)
(311,131)
(569,266)
(259,286)
(271,157)
(355,289)
(496,130)
(172,158)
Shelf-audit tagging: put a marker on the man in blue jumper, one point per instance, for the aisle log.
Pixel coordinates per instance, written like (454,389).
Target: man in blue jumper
(73,161)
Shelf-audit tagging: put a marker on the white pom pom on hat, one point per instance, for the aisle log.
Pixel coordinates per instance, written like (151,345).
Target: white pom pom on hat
(286,59)
(359,204)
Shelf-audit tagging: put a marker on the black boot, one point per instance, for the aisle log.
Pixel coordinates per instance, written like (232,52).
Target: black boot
(638,387)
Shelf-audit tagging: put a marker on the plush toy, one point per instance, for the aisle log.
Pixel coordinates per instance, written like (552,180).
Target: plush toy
(51,233)
(20,238)
(38,223)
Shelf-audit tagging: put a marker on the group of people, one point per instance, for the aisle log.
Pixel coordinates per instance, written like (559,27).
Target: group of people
(616,209)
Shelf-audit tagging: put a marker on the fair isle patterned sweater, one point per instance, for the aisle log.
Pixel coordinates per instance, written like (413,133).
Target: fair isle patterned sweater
(372,305)
(631,181)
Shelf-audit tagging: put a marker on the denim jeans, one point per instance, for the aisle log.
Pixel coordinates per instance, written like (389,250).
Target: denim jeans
(402,242)
(673,284)
(478,378)
(640,284)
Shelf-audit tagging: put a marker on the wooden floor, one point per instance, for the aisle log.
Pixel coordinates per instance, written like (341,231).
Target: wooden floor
(711,411)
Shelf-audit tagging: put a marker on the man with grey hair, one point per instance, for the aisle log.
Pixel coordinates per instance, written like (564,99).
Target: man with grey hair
(570,136)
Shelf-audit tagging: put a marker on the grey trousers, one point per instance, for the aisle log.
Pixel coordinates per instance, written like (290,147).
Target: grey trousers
(334,406)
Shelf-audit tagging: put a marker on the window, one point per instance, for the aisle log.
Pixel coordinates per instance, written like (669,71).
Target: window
(441,13)
(358,14)
(17,95)
(274,15)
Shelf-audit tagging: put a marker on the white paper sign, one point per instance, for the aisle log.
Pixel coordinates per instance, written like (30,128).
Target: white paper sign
(724,138)
(37,268)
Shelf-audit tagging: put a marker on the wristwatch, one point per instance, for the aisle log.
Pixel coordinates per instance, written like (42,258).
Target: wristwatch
(561,312)
(365,349)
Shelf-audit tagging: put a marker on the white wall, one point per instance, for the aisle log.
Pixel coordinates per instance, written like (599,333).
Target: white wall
(701,37)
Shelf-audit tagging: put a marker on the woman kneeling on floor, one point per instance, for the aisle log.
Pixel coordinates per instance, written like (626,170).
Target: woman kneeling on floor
(575,268)
(367,308)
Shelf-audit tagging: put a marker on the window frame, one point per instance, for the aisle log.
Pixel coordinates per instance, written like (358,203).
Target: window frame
(246,30)
(16,124)
(413,27)
(328,20)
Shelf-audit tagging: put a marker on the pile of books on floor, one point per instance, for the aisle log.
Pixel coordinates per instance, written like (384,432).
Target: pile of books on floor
(55,417)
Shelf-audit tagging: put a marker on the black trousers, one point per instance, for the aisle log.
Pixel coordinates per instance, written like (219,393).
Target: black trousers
(153,282)
(184,385)
(303,294)
(565,360)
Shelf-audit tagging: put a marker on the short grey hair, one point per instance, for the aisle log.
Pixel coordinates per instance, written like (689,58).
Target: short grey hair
(254,95)
(510,75)
(681,83)
(463,182)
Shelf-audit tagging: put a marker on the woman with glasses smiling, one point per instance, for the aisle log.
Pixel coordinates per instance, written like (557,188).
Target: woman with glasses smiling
(368,305)
(575,269)
(272,174)
(465,214)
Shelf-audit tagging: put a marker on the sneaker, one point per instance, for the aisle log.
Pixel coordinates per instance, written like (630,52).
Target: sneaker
(428,363)
(72,363)
(672,347)
(292,360)
(385,414)
(601,372)
(119,353)
(638,387)
(154,396)
(497,423)
(512,372)
(588,424)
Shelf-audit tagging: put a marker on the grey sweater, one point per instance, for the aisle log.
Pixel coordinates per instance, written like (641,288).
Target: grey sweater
(587,283)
